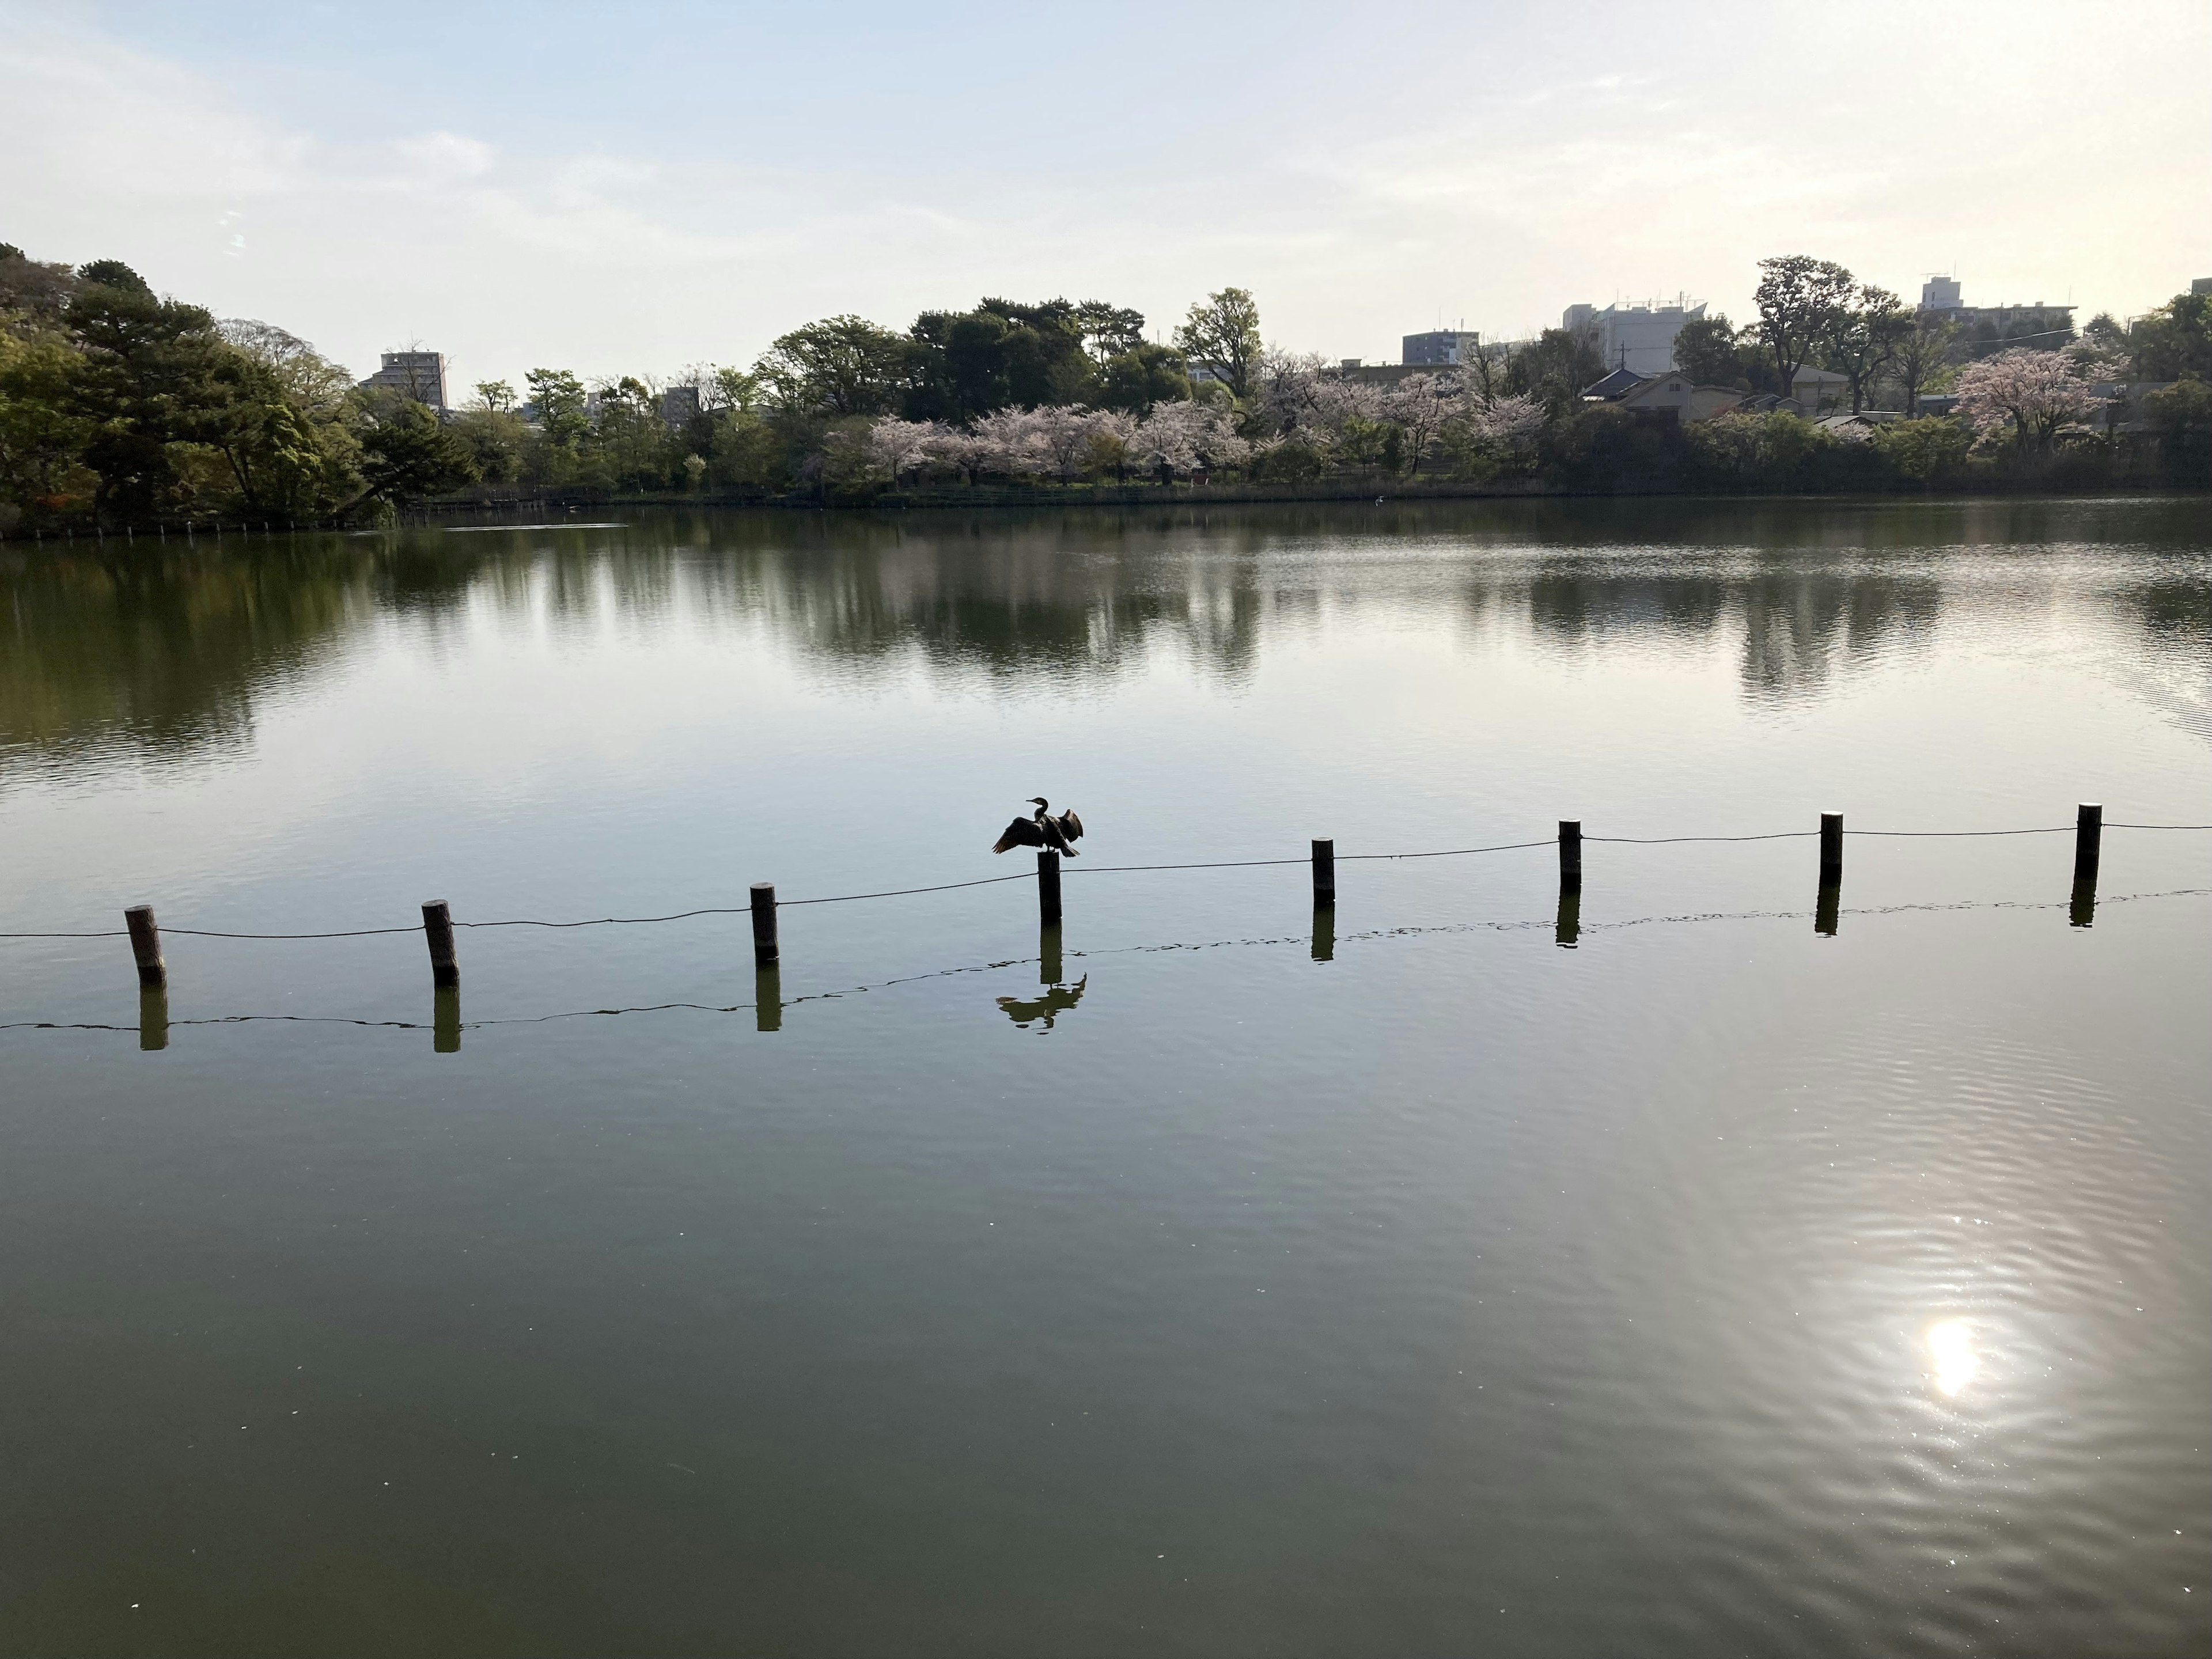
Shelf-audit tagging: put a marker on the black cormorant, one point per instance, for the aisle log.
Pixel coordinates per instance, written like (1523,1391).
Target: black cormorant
(1042,829)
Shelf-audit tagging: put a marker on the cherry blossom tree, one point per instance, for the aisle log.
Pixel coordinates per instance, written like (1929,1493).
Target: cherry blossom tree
(967,452)
(896,447)
(1181,437)
(1110,443)
(1419,406)
(2036,392)
(1063,436)
(1013,440)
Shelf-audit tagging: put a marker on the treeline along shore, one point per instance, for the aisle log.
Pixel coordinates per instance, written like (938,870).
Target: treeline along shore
(122,408)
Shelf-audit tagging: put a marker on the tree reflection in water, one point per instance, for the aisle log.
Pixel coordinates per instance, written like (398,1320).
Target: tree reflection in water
(167,651)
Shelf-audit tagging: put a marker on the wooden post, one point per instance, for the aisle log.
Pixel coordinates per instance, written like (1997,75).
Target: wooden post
(438,930)
(768,998)
(1324,875)
(2089,833)
(153,1018)
(446,1019)
(1324,933)
(1048,888)
(1570,856)
(1832,850)
(146,945)
(1567,932)
(763,901)
(1050,969)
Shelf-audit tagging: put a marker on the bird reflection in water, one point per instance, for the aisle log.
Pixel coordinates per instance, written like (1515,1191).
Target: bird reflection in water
(1057,998)
(1951,1345)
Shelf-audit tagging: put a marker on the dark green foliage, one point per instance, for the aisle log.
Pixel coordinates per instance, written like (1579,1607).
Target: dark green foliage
(840,366)
(2175,340)
(1144,375)
(1223,336)
(1554,369)
(113,273)
(2181,415)
(407,455)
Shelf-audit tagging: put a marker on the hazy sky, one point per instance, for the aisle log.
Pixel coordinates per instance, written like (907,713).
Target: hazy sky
(634,188)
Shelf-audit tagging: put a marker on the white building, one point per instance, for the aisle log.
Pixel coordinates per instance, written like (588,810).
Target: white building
(1640,339)
(417,374)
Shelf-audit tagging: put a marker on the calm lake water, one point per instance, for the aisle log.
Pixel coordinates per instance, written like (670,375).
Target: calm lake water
(1217,1283)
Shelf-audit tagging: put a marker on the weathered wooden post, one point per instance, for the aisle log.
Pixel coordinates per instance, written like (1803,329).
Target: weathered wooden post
(765,954)
(1324,875)
(1324,933)
(1048,888)
(1049,965)
(438,930)
(146,945)
(1567,932)
(1570,857)
(446,1019)
(2088,834)
(153,1018)
(768,998)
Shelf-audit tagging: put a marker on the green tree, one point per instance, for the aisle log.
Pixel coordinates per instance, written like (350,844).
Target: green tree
(841,366)
(41,434)
(1222,336)
(1801,299)
(1144,375)
(113,273)
(1926,451)
(1864,337)
(964,365)
(1705,350)
(148,381)
(408,455)
(1921,361)
(2181,415)
(496,396)
(32,293)
(2175,340)
(1109,330)
(560,399)
(1553,368)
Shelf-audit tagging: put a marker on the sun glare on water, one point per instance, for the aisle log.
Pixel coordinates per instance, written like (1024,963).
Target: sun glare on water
(1951,1343)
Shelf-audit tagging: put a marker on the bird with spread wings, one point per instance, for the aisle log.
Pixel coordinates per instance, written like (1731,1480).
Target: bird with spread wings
(1043,828)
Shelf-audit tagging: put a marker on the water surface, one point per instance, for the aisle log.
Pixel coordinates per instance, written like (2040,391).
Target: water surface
(1212,1279)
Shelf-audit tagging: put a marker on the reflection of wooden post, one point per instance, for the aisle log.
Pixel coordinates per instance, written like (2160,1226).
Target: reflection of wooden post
(1832,850)
(765,954)
(2082,912)
(153,1018)
(2088,832)
(146,945)
(768,998)
(446,1019)
(1569,931)
(1324,874)
(1048,888)
(1048,962)
(438,929)
(1324,933)
(1828,908)
(1570,857)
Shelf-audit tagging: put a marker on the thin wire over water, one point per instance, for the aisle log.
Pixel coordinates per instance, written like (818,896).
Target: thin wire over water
(1412,930)
(1095,870)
